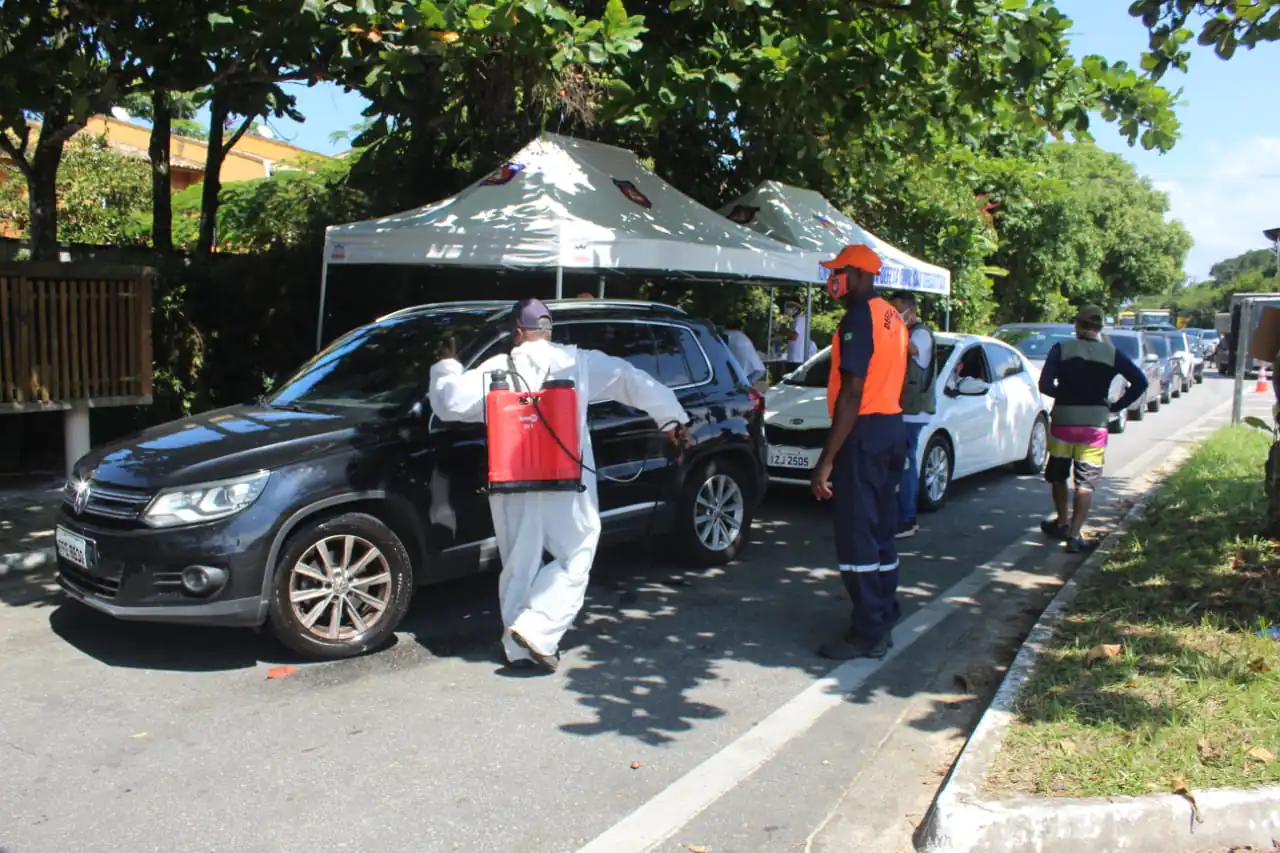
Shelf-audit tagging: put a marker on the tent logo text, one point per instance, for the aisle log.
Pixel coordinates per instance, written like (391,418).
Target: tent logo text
(339,252)
(828,224)
(504,175)
(742,214)
(632,192)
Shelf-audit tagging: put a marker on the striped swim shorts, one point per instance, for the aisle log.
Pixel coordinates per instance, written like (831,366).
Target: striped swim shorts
(1076,453)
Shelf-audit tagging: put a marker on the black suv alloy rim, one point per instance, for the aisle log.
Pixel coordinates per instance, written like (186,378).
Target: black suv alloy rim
(340,588)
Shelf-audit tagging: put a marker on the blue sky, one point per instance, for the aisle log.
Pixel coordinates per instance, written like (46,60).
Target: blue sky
(1222,177)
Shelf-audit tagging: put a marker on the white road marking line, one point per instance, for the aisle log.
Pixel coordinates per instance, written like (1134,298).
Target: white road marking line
(656,820)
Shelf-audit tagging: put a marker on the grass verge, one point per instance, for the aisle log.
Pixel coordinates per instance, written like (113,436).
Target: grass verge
(1156,679)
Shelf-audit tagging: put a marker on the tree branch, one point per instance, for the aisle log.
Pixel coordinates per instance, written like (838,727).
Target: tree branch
(17,155)
(62,134)
(230,143)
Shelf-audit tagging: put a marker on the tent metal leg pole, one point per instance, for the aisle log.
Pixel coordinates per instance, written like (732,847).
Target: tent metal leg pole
(324,286)
(768,338)
(808,322)
(559,282)
(946,326)
(602,287)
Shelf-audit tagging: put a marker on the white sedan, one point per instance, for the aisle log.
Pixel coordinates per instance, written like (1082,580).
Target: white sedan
(989,413)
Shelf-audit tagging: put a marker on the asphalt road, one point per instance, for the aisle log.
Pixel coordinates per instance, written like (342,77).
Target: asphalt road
(666,709)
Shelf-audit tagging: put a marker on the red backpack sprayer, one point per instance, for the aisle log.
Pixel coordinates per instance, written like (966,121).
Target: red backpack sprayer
(530,435)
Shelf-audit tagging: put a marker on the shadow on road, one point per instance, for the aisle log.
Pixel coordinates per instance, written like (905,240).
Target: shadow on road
(652,652)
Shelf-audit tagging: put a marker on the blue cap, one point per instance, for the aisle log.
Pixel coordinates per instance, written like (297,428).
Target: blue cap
(531,314)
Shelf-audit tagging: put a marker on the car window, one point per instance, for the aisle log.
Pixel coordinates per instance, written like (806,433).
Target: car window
(1003,361)
(1179,343)
(814,373)
(1033,342)
(680,358)
(501,345)
(1127,345)
(379,367)
(631,342)
(973,365)
(1160,345)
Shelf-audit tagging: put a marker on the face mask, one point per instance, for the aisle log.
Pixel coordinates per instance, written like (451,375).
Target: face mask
(838,286)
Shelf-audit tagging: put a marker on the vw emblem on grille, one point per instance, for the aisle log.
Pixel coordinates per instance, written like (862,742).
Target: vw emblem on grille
(797,421)
(81,499)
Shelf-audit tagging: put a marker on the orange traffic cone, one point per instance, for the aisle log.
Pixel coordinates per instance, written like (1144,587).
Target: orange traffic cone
(1261,387)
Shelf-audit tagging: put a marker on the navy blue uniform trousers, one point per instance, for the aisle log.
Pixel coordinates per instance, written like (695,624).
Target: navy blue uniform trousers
(864,483)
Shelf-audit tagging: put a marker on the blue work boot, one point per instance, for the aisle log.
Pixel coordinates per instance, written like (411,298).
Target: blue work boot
(851,647)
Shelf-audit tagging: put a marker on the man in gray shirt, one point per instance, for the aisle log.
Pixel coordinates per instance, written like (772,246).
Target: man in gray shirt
(918,405)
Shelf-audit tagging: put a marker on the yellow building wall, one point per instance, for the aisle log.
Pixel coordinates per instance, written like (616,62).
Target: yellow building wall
(253,156)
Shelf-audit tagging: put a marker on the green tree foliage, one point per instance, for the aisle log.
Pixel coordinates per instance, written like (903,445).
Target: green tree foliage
(181,106)
(1076,224)
(1252,272)
(1259,261)
(927,120)
(290,209)
(59,69)
(928,207)
(99,191)
(1224,24)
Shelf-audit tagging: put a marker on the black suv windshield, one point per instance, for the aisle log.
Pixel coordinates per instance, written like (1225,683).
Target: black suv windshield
(1034,342)
(1128,346)
(379,367)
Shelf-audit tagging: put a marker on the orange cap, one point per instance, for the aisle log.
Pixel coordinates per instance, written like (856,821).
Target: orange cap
(859,256)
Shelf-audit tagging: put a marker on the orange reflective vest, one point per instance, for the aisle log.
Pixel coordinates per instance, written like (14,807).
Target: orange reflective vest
(882,386)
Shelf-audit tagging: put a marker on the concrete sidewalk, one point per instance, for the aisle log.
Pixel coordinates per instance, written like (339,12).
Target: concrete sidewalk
(966,818)
(28,517)
(890,797)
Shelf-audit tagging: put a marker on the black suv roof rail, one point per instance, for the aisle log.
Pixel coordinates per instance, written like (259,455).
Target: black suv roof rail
(594,302)
(462,303)
(499,304)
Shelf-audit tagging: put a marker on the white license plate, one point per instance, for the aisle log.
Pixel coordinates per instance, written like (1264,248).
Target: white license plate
(72,547)
(793,457)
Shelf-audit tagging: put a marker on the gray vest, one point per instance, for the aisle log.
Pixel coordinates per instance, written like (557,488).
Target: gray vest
(917,392)
(1084,383)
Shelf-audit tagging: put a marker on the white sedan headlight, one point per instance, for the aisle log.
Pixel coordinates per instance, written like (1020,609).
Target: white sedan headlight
(205,502)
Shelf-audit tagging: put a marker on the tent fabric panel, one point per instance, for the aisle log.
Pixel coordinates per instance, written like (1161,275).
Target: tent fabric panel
(806,219)
(563,202)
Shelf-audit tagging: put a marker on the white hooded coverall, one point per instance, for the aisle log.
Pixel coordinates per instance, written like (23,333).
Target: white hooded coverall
(541,602)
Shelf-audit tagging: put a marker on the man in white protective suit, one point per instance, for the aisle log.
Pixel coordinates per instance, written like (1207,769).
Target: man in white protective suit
(540,602)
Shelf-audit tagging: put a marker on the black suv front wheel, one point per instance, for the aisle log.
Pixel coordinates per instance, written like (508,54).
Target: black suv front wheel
(715,513)
(341,587)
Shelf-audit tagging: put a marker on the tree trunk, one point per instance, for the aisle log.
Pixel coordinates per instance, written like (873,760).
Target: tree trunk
(161,187)
(42,197)
(218,111)
(219,145)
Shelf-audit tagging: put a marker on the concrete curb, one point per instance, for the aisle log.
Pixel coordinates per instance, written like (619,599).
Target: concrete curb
(963,821)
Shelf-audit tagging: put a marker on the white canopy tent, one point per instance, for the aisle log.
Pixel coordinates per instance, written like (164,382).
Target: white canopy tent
(564,203)
(805,219)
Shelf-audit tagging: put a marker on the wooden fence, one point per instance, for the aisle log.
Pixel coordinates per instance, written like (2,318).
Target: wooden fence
(74,332)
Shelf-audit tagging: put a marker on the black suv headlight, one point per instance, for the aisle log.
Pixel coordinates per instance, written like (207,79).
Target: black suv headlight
(204,502)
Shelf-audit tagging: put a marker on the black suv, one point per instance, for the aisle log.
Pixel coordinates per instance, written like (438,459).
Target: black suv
(318,509)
